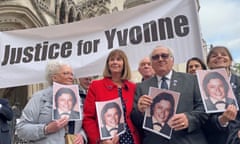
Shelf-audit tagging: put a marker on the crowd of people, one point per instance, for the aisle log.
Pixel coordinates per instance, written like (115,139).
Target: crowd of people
(190,124)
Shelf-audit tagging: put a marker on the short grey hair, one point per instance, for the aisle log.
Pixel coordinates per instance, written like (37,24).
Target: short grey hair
(53,67)
(171,52)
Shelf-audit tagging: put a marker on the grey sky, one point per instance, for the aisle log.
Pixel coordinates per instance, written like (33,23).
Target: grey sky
(220,24)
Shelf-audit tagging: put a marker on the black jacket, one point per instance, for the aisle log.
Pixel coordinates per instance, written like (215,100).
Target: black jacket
(6,114)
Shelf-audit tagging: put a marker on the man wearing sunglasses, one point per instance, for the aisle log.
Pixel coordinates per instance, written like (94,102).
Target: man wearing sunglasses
(189,115)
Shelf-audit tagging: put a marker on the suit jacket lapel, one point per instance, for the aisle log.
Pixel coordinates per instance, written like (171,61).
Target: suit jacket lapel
(154,82)
(175,79)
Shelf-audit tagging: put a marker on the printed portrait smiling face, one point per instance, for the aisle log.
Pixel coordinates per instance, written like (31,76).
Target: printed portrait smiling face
(65,103)
(111,117)
(162,110)
(215,89)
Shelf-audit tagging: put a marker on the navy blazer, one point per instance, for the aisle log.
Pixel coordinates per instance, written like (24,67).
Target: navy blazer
(6,114)
(190,103)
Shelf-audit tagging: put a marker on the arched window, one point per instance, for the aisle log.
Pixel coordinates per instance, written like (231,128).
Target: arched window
(71,15)
(78,18)
(62,13)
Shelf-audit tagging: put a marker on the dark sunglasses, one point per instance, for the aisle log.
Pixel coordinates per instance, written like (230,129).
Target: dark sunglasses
(163,56)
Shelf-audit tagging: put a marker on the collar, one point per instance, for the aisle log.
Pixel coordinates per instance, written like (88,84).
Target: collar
(110,85)
(154,120)
(169,75)
(82,90)
(63,112)
(214,101)
(113,128)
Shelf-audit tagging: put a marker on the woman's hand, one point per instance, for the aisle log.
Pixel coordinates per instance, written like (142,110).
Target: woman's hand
(114,140)
(56,125)
(78,139)
(229,114)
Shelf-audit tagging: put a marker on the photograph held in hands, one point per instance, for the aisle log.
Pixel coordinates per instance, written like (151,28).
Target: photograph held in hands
(110,118)
(215,90)
(66,102)
(163,107)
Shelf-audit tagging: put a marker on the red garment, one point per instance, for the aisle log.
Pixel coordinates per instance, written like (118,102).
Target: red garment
(103,90)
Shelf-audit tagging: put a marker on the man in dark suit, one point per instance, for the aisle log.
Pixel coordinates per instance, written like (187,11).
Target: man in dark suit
(189,117)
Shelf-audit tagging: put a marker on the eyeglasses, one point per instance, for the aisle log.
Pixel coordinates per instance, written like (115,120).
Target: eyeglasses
(163,56)
(67,73)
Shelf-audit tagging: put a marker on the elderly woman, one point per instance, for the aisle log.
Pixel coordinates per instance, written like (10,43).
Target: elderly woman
(36,122)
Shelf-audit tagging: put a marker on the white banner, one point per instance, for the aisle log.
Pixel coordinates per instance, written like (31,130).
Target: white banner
(86,44)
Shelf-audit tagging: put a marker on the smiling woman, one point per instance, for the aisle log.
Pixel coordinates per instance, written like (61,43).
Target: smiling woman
(220,57)
(115,84)
(36,122)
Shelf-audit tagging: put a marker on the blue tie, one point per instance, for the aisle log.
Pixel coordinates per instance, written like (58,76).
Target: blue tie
(164,84)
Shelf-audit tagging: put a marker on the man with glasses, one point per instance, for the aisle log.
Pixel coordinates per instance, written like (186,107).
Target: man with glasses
(189,115)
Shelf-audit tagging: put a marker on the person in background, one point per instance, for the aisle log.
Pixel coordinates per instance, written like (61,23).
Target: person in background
(115,84)
(145,68)
(216,128)
(194,64)
(6,114)
(84,83)
(190,115)
(36,124)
